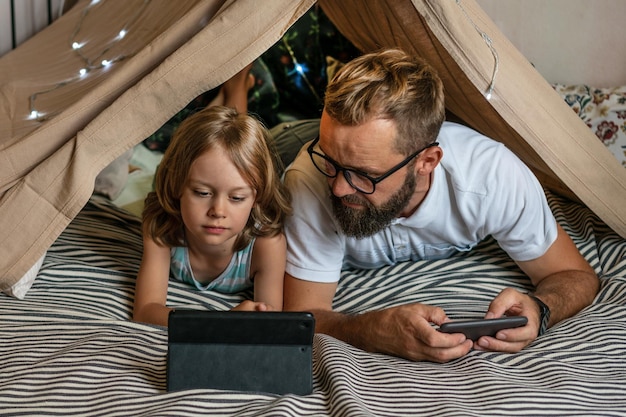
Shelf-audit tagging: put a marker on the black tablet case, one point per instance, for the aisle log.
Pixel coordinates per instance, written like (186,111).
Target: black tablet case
(244,351)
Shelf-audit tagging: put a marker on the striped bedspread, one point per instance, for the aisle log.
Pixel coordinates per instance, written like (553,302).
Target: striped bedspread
(69,348)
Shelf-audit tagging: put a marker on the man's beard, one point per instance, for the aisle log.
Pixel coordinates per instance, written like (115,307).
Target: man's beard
(365,222)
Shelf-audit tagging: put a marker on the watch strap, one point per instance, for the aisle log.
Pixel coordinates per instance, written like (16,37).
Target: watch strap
(544,311)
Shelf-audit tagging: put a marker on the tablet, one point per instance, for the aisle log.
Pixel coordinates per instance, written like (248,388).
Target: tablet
(240,350)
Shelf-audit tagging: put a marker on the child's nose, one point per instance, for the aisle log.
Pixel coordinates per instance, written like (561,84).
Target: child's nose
(217,208)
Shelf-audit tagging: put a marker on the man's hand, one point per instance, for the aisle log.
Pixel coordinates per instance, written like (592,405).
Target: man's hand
(404,331)
(511,302)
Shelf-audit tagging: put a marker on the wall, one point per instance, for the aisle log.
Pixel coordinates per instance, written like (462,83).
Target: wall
(30,17)
(568,41)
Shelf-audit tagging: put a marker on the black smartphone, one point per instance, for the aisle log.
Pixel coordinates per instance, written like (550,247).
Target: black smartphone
(474,329)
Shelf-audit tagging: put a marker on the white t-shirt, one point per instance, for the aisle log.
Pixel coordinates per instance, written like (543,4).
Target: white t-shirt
(480,188)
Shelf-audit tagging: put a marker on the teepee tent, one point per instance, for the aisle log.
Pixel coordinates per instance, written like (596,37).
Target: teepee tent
(58,130)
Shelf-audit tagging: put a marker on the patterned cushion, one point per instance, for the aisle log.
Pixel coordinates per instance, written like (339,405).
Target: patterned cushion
(603,110)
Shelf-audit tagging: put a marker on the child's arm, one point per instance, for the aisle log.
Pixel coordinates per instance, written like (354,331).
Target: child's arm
(151,285)
(268,264)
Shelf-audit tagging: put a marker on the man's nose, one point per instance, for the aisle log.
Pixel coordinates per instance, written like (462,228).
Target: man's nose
(340,185)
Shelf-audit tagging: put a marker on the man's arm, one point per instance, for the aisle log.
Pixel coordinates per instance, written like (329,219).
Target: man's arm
(403,331)
(563,280)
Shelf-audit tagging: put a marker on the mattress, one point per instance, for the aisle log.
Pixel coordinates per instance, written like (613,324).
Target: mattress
(69,348)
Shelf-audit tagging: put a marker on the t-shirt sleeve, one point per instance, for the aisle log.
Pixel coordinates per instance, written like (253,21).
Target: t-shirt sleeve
(314,248)
(520,218)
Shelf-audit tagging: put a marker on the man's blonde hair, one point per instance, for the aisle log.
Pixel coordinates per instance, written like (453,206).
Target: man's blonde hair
(389,84)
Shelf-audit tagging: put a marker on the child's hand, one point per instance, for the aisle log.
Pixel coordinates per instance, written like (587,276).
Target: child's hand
(249,305)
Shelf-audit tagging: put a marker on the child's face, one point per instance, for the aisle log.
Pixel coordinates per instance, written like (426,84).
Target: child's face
(216,201)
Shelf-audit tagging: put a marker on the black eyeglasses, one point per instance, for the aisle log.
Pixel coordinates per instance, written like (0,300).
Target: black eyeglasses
(358,180)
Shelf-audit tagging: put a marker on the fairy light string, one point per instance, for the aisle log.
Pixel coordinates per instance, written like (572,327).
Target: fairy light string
(493,50)
(96,63)
(90,64)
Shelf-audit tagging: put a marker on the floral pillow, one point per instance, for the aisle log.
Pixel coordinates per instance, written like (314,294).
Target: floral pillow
(603,110)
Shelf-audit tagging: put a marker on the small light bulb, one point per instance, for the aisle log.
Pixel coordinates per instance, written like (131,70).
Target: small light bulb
(76,45)
(34,114)
(82,72)
(106,62)
(122,33)
(299,68)
(488,96)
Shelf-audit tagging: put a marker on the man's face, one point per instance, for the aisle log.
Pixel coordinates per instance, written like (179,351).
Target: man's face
(368,148)
(371,219)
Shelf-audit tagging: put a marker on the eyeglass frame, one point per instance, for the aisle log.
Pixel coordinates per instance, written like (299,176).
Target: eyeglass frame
(346,171)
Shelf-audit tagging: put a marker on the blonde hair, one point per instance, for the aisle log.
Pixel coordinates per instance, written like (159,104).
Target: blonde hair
(389,84)
(246,141)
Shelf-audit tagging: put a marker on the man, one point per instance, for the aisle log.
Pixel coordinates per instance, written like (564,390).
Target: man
(386,168)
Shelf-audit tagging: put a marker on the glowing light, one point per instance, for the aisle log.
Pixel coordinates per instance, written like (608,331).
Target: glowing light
(488,96)
(89,63)
(299,68)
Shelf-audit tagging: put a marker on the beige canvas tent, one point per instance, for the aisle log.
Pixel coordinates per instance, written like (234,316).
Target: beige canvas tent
(56,136)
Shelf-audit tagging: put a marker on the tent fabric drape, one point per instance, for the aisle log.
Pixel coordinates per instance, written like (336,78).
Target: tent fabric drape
(183,49)
(178,50)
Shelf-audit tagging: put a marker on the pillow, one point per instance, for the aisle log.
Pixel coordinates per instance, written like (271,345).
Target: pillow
(603,110)
(21,287)
(111,180)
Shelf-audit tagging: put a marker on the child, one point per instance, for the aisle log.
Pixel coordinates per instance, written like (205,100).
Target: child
(215,219)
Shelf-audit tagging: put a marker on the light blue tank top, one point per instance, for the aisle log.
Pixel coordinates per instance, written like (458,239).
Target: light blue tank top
(235,278)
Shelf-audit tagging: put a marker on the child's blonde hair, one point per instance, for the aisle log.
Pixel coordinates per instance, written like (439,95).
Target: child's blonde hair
(247,142)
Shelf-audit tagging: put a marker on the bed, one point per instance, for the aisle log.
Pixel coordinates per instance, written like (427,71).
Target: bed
(69,346)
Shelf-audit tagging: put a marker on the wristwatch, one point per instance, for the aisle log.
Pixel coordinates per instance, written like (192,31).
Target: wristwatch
(544,312)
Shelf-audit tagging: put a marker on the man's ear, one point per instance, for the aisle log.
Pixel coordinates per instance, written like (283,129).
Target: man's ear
(428,160)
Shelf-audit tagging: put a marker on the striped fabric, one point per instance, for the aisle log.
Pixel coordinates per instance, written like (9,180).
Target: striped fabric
(69,348)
